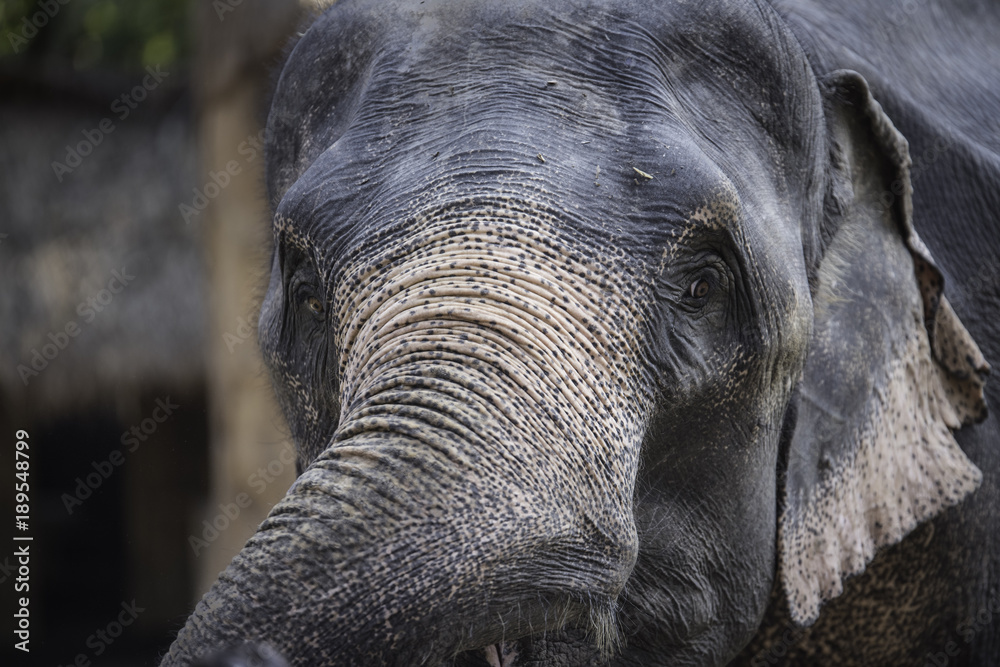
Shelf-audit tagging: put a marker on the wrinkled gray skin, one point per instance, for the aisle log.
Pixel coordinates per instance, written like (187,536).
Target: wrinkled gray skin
(604,335)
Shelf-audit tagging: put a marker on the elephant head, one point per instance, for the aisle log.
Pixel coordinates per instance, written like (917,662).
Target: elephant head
(589,321)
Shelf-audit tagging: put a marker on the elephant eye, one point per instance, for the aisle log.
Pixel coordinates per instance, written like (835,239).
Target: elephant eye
(699,289)
(315,305)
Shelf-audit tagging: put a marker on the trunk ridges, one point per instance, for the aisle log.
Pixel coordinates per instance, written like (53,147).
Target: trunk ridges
(544,344)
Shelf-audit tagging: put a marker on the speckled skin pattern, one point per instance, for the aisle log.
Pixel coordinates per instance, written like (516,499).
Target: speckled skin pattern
(598,344)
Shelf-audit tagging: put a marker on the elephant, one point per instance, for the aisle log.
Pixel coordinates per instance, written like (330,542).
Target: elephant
(606,335)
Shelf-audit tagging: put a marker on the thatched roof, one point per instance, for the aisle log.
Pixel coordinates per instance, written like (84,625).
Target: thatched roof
(117,211)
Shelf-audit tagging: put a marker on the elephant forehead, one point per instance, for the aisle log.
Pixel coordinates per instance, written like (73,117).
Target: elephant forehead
(601,74)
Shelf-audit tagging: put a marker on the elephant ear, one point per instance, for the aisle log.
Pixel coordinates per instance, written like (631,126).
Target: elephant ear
(890,370)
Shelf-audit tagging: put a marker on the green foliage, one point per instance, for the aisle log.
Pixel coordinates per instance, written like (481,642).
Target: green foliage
(121,34)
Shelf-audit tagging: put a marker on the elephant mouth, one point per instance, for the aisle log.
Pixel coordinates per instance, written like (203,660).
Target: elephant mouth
(502,654)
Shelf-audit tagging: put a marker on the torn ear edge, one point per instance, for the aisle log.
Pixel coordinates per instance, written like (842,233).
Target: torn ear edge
(899,464)
(952,345)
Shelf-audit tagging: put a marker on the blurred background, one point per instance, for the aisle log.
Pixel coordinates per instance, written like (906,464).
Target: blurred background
(134,243)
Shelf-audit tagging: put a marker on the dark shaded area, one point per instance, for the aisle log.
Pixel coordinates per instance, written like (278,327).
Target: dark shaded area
(101,316)
(108,341)
(102,547)
(96,33)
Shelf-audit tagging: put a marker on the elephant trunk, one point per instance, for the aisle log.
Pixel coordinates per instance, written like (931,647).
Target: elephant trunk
(355,577)
(469,494)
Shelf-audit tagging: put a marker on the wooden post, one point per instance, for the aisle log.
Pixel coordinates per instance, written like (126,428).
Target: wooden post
(237,44)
